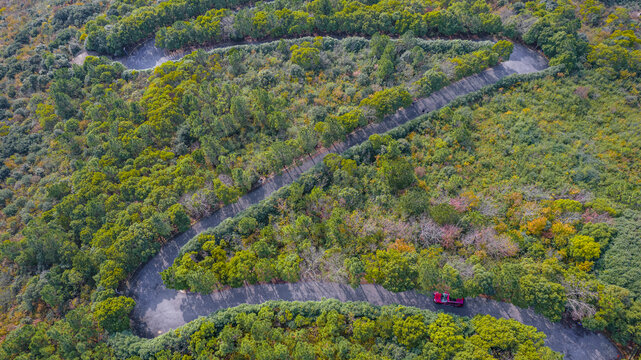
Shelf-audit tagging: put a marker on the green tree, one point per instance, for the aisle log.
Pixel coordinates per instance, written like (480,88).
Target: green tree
(387,101)
(432,81)
(546,297)
(288,267)
(330,131)
(241,268)
(584,248)
(393,269)
(247,225)
(178,217)
(113,314)
(305,56)
(452,279)
(612,313)
(227,340)
(355,269)
(446,335)
(385,68)
(364,330)
(307,140)
(399,174)
(503,48)
(411,331)
(352,119)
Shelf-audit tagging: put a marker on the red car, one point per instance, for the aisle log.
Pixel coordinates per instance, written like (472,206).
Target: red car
(444,299)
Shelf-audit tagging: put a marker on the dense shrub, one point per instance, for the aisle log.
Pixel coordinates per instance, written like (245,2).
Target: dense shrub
(356,328)
(309,18)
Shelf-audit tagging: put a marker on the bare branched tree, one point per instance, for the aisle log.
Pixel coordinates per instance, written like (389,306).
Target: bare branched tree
(333,267)
(311,264)
(431,232)
(199,203)
(581,298)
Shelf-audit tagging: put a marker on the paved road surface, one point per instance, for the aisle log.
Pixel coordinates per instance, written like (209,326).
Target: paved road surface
(159,309)
(576,342)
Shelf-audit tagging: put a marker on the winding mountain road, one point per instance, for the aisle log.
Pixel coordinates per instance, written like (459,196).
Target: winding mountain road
(159,309)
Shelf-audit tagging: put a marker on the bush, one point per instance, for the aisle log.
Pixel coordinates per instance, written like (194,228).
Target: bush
(399,174)
(503,48)
(415,202)
(247,225)
(393,269)
(387,101)
(397,327)
(432,81)
(444,214)
(305,56)
(179,218)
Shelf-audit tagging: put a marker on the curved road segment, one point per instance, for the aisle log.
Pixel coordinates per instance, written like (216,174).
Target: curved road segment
(159,309)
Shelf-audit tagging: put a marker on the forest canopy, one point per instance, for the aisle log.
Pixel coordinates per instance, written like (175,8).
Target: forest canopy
(332,329)
(527,191)
(416,212)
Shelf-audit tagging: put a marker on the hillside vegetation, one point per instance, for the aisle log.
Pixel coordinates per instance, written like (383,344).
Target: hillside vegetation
(335,330)
(466,203)
(527,193)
